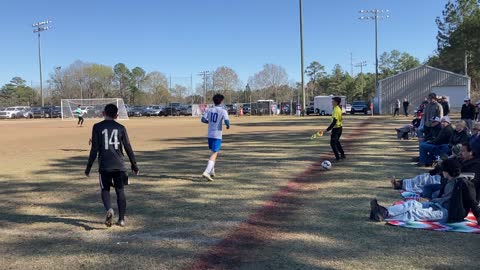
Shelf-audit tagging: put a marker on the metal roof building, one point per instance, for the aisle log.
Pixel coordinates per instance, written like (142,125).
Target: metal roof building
(415,84)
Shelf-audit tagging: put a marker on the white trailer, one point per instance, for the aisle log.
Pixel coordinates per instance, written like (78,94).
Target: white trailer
(322,105)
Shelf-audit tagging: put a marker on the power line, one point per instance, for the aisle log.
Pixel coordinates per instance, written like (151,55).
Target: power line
(361,65)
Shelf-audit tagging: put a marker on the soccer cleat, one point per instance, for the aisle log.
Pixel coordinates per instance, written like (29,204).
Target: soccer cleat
(121,223)
(212,175)
(207,176)
(109,217)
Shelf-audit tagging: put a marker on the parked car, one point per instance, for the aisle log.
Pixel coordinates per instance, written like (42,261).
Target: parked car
(310,108)
(231,108)
(155,110)
(185,110)
(37,112)
(359,106)
(348,108)
(52,111)
(171,110)
(136,111)
(246,108)
(27,113)
(12,112)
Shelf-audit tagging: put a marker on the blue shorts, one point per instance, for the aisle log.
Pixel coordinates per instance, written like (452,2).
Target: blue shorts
(214,144)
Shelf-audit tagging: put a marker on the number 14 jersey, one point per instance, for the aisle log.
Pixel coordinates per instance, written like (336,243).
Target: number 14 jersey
(108,140)
(215,116)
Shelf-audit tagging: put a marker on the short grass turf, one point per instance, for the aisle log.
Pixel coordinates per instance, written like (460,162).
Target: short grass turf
(51,216)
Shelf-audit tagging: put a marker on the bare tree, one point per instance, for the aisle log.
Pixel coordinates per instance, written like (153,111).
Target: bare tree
(156,86)
(225,81)
(269,80)
(178,92)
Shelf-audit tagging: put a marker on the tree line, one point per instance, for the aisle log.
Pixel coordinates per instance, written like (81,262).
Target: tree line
(137,87)
(458,40)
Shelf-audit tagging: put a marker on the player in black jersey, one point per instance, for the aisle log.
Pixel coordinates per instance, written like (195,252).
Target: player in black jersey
(108,140)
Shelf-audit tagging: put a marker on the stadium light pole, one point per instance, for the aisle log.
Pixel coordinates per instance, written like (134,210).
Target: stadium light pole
(39,27)
(375,16)
(301,55)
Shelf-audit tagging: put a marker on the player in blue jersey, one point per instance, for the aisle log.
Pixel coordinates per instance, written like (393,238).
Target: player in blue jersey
(214,118)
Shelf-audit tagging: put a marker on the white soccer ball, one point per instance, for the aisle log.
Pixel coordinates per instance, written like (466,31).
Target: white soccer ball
(326,165)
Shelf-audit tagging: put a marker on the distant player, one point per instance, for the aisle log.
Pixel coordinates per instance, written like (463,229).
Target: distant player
(336,128)
(80,113)
(108,140)
(214,118)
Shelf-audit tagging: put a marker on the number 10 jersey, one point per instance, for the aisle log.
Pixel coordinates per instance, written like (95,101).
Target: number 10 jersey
(215,117)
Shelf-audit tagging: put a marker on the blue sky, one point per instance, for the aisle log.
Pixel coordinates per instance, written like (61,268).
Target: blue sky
(184,37)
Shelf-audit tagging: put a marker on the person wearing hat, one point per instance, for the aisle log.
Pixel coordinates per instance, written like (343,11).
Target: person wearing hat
(430,148)
(432,109)
(468,112)
(460,136)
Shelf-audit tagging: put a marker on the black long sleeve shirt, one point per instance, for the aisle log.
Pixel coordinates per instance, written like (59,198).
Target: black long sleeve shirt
(108,140)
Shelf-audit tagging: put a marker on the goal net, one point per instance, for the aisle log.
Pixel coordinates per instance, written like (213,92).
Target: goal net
(92,108)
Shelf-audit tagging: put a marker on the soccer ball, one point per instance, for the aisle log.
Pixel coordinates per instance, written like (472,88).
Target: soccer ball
(326,165)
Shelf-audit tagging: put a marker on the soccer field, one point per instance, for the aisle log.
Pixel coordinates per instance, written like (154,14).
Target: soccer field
(270,207)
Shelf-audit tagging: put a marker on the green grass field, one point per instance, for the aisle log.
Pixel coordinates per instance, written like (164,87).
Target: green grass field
(51,216)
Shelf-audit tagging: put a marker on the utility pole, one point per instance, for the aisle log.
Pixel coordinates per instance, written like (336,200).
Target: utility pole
(466,63)
(39,27)
(301,56)
(191,86)
(205,75)
(375,17)
(351,64)
(361,65)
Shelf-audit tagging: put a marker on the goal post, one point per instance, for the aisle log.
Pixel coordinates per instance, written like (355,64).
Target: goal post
(92,108)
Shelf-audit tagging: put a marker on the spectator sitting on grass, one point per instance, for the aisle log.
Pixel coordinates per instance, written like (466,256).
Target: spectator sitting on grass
(402,133)
(454,202)
(428,183)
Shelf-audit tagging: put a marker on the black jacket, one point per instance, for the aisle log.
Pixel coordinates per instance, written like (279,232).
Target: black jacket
(473,166)
(468,111)
(433,132)
(109,138)
(462,200)
(446,108)
(416,122)
(459,137)
(443,137)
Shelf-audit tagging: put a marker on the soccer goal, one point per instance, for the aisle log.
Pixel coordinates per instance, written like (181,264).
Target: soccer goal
(92,108)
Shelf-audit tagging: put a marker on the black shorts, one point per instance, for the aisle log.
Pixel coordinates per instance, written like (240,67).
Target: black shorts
(113,179)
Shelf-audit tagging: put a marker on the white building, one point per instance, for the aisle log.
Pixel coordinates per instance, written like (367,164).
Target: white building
(415,84)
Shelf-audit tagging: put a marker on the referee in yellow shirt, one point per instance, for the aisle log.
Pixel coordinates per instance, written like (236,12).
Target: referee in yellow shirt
(336,128)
